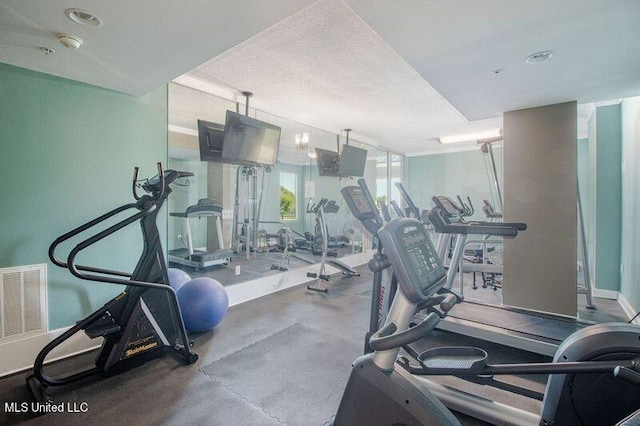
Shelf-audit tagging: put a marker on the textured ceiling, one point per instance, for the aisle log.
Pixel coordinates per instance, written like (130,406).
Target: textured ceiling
(325,65)
(400,73)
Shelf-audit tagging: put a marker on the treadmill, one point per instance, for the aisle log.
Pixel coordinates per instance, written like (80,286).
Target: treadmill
(524,329)
(198,259)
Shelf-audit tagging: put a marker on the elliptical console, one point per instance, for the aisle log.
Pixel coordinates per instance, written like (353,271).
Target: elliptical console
(413,258)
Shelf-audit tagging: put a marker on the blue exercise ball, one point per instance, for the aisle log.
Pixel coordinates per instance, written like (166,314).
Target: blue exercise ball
(177,278)
(203,302)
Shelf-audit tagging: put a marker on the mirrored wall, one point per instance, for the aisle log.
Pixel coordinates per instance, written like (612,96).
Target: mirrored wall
(281,198)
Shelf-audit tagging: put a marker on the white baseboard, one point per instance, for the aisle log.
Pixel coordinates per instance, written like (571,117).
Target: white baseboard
(19,355)
(606,294)
(627,308)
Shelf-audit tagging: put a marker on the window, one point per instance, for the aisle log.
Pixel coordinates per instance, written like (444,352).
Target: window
(288,196)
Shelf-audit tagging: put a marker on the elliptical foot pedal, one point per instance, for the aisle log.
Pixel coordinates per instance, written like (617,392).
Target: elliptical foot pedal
(454,360)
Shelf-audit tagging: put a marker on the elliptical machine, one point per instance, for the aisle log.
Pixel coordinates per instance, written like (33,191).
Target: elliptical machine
(145,319)
(593,376)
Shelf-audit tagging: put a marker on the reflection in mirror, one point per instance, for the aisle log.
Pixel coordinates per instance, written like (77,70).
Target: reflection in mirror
(467,178)
(238,223)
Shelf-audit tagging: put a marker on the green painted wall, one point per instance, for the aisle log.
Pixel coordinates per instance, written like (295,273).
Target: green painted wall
(451,174)
(630,244)
(608,157)
(68,153)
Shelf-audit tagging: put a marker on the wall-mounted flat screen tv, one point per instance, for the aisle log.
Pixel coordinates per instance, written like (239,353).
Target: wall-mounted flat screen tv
(352,161)
(250,141)
(327,162)
(211,138)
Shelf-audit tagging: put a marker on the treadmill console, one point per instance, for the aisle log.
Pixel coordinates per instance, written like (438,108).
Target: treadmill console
(445,204)
(413,258)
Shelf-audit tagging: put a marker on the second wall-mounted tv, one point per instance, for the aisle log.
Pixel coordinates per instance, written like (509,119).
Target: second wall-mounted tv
(210,138)
(250,141)
(328,162)
(352,161)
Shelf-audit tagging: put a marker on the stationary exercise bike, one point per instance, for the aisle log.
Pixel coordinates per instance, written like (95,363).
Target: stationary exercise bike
(594,376)
(141,322)
(323,240)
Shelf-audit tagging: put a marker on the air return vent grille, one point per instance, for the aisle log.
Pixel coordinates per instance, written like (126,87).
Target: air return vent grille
(23,301)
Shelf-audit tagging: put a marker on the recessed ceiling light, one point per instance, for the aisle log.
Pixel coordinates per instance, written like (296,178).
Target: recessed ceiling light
(539,57)
(83,17)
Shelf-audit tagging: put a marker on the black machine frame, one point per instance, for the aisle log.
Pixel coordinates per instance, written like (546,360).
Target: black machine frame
(142,320)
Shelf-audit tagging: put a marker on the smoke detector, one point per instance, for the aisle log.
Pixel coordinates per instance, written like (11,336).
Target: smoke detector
(70,41)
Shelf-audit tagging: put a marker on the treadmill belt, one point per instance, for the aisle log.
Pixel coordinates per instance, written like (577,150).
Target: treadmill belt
(541,325)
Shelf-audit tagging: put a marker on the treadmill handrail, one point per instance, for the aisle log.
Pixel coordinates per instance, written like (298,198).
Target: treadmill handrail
(481,228)
(452,216)
(206,207)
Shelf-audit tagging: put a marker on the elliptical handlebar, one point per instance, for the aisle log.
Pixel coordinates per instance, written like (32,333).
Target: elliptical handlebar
(313,207)
(386,338)
(407,199)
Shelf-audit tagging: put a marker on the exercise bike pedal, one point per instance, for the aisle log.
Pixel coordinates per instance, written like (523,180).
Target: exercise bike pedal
(454,360)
